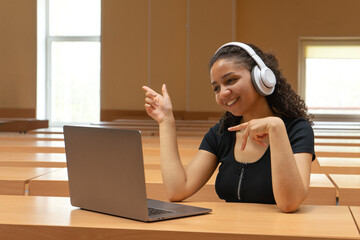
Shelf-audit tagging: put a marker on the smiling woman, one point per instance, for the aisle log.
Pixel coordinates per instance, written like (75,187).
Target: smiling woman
(264,143)
(233,88)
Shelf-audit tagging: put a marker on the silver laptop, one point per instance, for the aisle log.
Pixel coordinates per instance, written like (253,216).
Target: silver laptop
(106,174)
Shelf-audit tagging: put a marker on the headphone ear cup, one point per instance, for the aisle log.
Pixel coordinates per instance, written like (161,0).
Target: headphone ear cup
(255,78)
(258,82)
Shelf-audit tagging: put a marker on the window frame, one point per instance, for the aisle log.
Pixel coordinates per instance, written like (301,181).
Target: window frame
(323,41)
(48,60)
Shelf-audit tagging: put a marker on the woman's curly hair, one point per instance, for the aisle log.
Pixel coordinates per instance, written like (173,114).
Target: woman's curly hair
(284,102)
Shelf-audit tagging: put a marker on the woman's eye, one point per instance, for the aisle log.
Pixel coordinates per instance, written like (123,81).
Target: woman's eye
(230,80)
(216,89)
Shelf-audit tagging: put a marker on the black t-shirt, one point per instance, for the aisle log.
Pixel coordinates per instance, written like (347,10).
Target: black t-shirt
(251,182)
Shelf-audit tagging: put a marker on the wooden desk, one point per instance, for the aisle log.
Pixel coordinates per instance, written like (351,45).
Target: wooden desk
(337,151)
(178,122)
(156,189)
(339,165)
(22,124)
(152,156)
(185,147)
(336,125)
(54,218)
(345,134)
(194,125)
(21,159)
(49,130)
(14,179)
(28,159)
(31,137)
(54,183)
(349,188)
(32,146)
(337,142)
(183,141)
(356,214)
(322,191)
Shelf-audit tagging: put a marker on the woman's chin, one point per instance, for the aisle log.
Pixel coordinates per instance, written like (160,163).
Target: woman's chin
(235,113)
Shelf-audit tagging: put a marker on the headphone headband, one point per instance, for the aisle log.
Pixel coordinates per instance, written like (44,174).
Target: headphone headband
(263,78)
(249,50)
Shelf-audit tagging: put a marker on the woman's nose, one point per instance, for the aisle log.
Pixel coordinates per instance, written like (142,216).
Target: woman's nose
(224,92)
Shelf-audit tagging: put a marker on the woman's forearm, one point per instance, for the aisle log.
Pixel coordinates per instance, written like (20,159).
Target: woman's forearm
(173,172)
(288,184)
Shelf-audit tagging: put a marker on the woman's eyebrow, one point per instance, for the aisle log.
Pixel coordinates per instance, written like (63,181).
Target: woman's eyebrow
(227,74)
(223,77)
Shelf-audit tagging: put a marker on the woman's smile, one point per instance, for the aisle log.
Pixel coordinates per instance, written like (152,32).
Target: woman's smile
(232,102)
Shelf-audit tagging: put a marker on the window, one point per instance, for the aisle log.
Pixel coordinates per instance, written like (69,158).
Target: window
(329,78)
(72,61)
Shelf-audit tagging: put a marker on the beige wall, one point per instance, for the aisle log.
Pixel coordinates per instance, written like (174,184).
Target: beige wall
(277,25)
(124,49)
(17,58)
(181,61)
(211,25)
(167,62)
(159,41)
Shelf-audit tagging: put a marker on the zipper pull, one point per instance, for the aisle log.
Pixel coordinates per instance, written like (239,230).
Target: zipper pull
(241,177)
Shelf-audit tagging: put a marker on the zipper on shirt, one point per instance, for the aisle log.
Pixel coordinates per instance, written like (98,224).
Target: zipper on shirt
(241,178)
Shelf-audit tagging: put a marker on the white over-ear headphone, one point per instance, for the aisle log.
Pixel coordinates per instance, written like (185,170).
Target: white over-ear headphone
(263,78)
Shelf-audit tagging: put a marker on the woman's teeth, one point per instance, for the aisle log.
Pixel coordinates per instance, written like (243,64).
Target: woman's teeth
(232,102)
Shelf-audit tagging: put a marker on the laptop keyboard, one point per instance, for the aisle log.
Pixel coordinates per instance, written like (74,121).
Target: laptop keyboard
(157,211)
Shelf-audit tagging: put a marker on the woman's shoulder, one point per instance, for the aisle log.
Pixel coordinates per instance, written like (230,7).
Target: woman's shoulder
(214,130)
(296,123)
(298,127)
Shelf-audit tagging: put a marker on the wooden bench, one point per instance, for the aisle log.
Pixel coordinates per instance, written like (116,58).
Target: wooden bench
(13,180)
(348,187)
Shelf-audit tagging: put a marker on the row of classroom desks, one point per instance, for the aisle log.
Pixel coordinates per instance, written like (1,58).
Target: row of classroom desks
(33,165)
(50,153)
(54,182)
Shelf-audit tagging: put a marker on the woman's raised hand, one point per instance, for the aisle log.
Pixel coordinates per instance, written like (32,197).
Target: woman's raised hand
(257,129)
(158,106)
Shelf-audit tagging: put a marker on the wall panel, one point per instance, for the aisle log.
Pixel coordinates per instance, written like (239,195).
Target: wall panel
(210,27)
(168,49)
(18,57)
(124,50)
